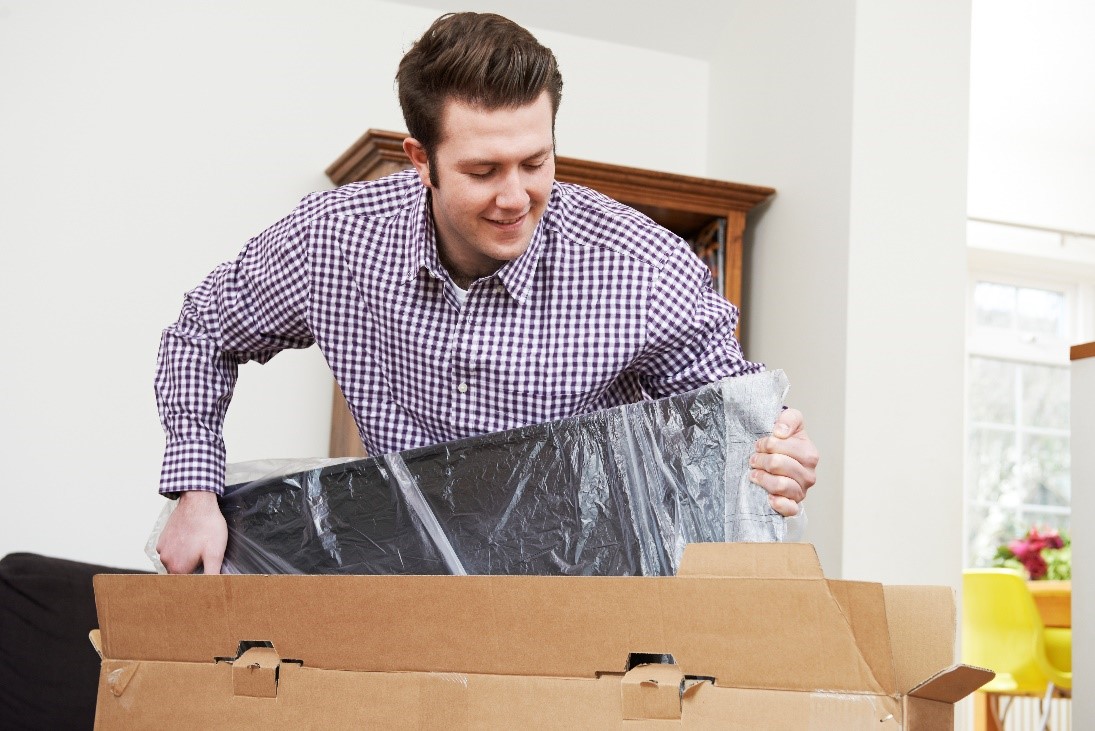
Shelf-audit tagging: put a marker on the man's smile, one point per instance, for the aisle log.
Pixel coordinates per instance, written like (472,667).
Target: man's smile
(507,222)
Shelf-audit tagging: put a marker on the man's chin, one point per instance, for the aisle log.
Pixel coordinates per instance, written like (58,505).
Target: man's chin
(510,245)
(505,254)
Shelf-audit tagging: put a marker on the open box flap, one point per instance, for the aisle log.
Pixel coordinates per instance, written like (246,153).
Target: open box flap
(730,628)
(953,684)
(922,621)
(792,561)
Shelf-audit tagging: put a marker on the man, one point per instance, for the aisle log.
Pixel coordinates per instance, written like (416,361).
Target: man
(469,295)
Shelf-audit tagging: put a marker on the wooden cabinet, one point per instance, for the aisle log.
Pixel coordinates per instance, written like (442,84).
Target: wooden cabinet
(709,213)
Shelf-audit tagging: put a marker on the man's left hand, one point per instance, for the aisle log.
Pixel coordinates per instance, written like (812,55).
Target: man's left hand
(784,463)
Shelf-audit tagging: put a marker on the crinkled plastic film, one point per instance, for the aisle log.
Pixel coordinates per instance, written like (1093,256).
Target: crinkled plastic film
(417,502)
(239,473)
(615,492)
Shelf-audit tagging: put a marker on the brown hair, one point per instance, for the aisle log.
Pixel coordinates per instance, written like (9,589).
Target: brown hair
(477,58)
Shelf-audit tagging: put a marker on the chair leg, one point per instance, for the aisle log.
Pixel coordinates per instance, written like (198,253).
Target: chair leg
(986,712)
(1000,707)
(1043,722)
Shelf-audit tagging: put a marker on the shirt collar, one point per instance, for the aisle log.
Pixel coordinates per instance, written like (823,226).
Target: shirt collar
(517,276)
(421,240)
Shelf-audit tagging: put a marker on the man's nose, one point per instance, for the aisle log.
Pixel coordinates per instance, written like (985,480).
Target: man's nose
(512,195)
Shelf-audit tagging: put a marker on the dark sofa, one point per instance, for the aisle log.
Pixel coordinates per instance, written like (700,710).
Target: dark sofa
(48,669)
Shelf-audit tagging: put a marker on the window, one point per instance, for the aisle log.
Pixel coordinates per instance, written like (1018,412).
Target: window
(1017,465)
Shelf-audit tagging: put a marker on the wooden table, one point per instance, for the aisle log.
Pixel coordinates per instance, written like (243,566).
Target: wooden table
(1054,602)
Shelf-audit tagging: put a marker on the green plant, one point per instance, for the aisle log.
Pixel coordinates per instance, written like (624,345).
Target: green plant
(1039,554)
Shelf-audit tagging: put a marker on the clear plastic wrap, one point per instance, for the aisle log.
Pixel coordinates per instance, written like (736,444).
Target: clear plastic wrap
(615,492)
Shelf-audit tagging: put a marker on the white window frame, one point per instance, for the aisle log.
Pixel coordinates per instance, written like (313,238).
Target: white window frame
(1078,287)
(982,341)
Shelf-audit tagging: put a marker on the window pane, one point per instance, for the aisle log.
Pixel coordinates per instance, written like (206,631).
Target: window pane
(990,526)
(991,463)
(1045,396)
(992,390)
(1041,311)
(1045,471)
(994,304)
(1039,519)
(1017,460)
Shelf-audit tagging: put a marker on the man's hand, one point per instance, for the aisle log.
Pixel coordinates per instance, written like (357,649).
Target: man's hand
(784,463)
(195,535)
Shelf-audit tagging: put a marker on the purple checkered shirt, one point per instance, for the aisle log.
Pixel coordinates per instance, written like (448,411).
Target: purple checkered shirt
(604,308)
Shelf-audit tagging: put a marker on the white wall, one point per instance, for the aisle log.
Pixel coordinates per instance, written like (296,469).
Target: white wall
(798,141)
(905,438)
(141,144)
(858,265)
(1083,542)
(1032,152)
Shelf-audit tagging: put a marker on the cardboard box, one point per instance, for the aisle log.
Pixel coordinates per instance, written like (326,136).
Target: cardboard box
(759,639)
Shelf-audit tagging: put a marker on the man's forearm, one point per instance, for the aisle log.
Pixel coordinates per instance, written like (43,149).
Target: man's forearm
(194,385)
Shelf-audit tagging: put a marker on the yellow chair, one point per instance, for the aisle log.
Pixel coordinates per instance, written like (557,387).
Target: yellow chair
(1002,631)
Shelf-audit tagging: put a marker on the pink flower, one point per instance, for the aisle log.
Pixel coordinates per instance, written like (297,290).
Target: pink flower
(1028,550)
(1035,566)
(1023,547)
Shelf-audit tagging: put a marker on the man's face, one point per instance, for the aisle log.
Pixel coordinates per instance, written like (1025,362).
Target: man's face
(494,169)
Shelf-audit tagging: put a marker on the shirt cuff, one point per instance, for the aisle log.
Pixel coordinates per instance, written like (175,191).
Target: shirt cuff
(192,465)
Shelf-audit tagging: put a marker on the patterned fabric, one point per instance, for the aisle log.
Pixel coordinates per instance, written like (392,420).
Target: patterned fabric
(604,308)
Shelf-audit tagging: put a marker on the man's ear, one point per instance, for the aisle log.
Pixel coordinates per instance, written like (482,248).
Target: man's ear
(421,161)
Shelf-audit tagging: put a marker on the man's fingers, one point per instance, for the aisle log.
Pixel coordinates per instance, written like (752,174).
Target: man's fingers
(801,450)
(784,463)
(784,506)
(778,485)
(781,475)
(195,535)
(788,422)
(211,562)
(787,452)
(177,565)
(780,465)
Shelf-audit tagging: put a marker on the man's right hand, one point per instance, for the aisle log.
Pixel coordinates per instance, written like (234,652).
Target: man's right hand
(195,535)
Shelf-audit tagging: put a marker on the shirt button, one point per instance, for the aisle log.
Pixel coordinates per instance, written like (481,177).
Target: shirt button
(498,288)
(462,388)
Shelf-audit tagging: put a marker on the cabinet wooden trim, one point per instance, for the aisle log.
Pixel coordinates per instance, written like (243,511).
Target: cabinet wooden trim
(1084,350)
(378,153)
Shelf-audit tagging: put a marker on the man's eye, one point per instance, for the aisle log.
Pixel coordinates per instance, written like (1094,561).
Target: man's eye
(536,165)
(480,174)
